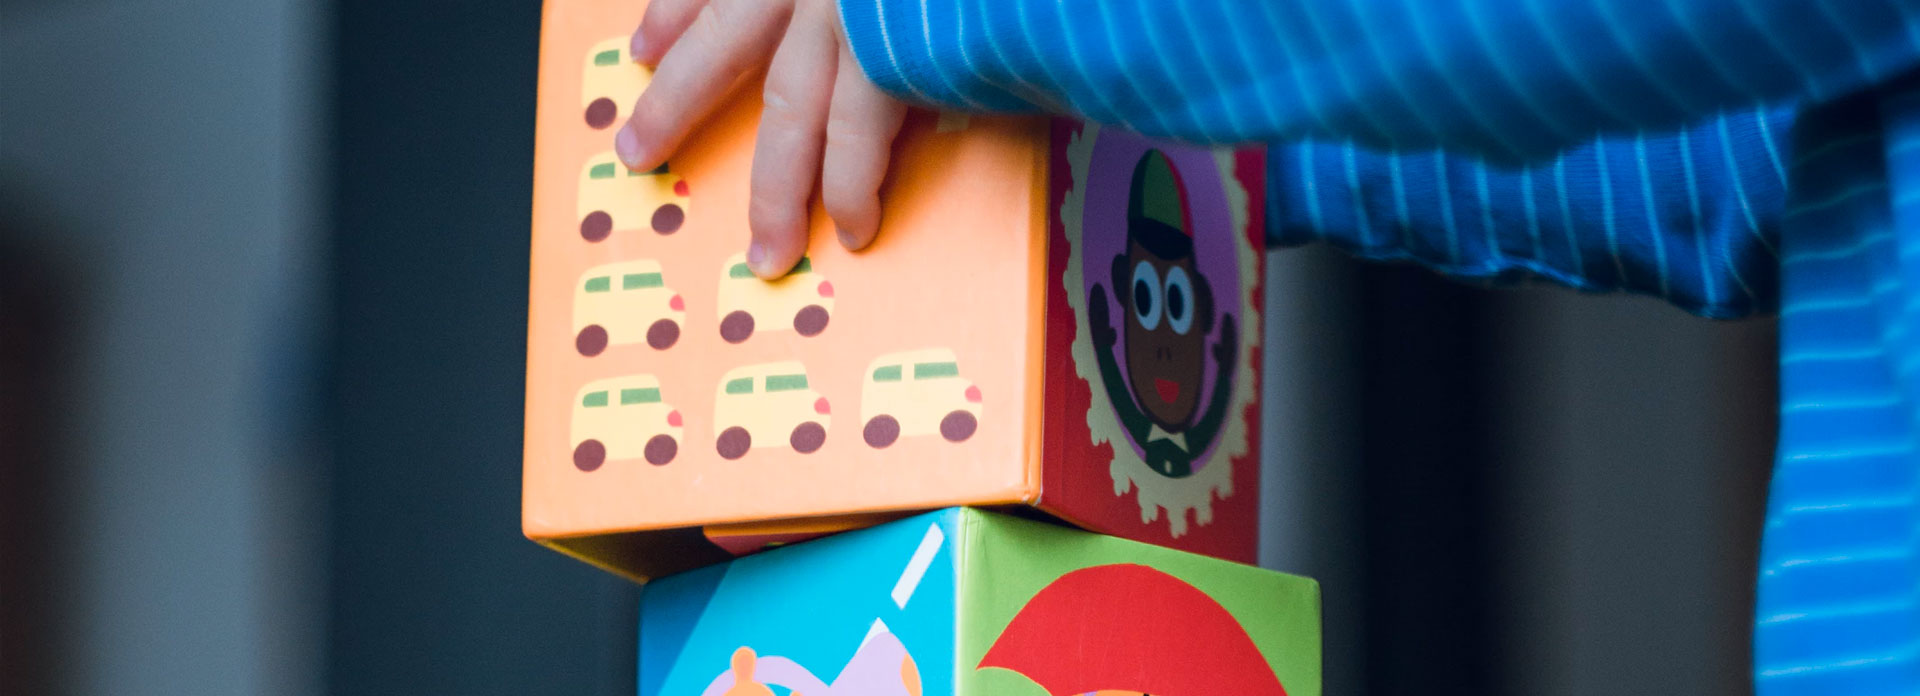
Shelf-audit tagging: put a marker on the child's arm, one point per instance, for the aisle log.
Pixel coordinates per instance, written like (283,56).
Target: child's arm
(990,55)
(1691,216)
(1510,80)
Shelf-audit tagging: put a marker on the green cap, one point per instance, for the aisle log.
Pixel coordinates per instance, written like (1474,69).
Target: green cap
(1156,193)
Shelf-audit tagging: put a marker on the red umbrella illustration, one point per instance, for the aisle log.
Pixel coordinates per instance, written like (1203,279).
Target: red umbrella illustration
(1131,628)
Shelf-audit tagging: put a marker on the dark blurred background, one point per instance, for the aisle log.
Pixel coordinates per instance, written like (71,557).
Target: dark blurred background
(262,304)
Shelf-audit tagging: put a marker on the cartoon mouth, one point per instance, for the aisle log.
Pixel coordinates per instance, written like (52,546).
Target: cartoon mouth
(1168,390)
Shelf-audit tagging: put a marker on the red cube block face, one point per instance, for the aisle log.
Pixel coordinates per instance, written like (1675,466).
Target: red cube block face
(1055,315)
(1153,332)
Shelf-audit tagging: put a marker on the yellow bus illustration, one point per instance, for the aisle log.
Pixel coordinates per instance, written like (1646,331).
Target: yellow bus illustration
(757,405)
(950,121)
(746,301)
(611,82)
(623,418)
(917,392)
(614,198)
(626,302)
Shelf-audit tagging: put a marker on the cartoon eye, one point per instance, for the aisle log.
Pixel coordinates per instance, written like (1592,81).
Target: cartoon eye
(1146,295)
(1179,300)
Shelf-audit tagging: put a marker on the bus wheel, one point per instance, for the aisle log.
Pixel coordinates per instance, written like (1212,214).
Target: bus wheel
(596,226)
(593,339)
(663,334)
(733,442)
(736,327)
(668,218)
(661,449)
(810,320)
(589,455)
(881,431)
(807,437)
(958,426)
(601,113)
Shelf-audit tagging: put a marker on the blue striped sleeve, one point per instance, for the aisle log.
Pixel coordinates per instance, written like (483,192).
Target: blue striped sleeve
(1838,604)
(1691,216)
(1505,80)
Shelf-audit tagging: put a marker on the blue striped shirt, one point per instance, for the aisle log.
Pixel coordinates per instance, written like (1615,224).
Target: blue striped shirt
(1692,216)
(1731,156)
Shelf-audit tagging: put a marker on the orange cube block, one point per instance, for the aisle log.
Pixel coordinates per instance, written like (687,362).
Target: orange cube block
(1055,315)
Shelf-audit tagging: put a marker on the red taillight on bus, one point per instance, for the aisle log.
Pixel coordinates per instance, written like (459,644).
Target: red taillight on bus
(826,288)
(820,406)
(680,188)
(677,304)
(973,394)
(673,418)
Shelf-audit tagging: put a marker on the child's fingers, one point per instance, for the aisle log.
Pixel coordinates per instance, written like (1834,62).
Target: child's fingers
(662,25)
(861,126)
(728,38)
(786,156)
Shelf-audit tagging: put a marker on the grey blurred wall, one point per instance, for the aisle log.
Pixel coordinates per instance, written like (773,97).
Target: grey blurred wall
(166,151)
(433,588)
(1310,514)
(1638,441)
(1616,453)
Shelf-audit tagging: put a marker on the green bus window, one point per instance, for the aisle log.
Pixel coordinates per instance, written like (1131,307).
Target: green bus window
(890,373)
(805,265)
(739,270)
(641,281)
(607,57)
(644,395)
(598,398)
(935,369)
(786,383)
(600,284)
(744,385)
(603,170)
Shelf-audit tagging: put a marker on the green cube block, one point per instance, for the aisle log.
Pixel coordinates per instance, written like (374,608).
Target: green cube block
(963,602)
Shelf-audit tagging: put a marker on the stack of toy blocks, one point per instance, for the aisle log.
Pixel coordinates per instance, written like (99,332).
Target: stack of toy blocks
(1059,322)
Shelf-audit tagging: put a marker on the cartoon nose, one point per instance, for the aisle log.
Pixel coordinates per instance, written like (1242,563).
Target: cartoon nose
(680,188)
(673,418)
(826,289)
(677,304)
(820,406)
(973,394)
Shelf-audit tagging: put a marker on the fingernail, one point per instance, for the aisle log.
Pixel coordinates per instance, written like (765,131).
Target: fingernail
(627,145)
(637,47)
(848,240)
(757,256)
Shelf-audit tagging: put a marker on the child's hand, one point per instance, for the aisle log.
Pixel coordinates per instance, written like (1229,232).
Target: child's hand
(822,116)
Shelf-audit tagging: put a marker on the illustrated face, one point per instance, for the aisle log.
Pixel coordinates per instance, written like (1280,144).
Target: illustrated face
(743,681)
(1166,334)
